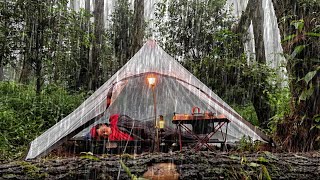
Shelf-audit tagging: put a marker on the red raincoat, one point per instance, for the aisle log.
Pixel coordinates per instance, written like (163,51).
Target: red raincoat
(116,134)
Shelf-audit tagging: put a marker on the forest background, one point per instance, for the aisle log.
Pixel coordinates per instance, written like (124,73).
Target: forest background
(52,58)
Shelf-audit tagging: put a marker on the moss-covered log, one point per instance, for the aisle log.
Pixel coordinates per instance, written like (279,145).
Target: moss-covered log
(201,165)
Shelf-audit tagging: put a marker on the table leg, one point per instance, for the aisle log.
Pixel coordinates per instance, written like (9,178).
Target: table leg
(180,141)
(204,141)
(225,138)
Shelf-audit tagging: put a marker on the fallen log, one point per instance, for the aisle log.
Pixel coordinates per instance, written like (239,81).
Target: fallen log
(189,165)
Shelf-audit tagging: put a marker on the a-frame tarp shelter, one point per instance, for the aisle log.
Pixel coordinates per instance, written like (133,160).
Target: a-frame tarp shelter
(177,91)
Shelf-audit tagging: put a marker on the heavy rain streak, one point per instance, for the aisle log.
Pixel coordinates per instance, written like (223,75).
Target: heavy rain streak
(159,89)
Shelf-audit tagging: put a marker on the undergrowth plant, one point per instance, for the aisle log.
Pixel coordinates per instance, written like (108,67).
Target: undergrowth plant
(256,169)
(281,103)
(248,112)
(25,115)
(246,144)
(128,171)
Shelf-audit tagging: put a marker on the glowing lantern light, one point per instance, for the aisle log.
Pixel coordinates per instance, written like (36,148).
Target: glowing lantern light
(151,80)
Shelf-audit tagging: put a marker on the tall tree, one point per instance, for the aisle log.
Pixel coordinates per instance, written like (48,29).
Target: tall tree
(138,26)
(50,42)
(254,13)
(300,30)
(1,73)
(10,27)
(4,35)
(259,98)
(120,31)
(83,78)
(94,66)
(185,27)
(127,30)
(36,22)
(66,40)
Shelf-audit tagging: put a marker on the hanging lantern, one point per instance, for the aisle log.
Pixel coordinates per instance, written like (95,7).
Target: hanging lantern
(161,122)
(151,80)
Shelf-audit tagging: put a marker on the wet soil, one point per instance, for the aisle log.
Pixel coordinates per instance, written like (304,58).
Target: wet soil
(186,164)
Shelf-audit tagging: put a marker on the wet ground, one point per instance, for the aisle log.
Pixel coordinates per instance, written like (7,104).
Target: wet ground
(176,165)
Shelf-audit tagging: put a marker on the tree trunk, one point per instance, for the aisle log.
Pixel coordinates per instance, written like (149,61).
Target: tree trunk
(72,4)
(39,25)
(84,78)
(257,23)
(138,29)
(1,73)
(121,31)
(38,76)
(5,32)
(254,12)
(28,49)
(202,165)
(98,42)
(26,70)
(260,98)
(299,131)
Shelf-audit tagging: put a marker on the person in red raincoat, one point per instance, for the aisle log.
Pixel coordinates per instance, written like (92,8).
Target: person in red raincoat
(120,128)
(111,131)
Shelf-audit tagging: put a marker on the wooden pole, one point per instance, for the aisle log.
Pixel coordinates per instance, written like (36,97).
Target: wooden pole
(156,144)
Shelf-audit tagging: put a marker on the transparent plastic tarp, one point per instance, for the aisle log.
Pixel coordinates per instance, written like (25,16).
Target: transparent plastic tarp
(176,91)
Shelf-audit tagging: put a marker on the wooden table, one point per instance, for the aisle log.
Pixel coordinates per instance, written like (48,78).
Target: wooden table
(218,122)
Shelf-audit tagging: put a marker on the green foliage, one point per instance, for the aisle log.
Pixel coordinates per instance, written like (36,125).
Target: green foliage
(297,50)
(248,112)
(289,37)
(127,170)
(233,157)
(280,99)
(247,144)
(10,33)
(310,3)
(69,43)
(32,171)
(120,36)
(24,115)
(302,77)
(52,39)
(309,87)
(262,159)
(265,173)
(310,75)
(120,31)
(316,119)
(227,71)
(214,53)
(185,28)
(249,169)
(312,34)
(298,24)
(297,132)
(224,68)
(89,155)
